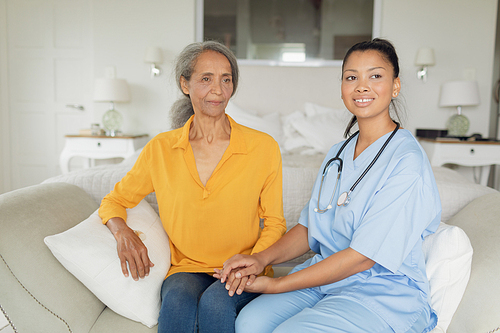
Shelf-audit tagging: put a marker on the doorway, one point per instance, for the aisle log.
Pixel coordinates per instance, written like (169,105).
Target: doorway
(48,63)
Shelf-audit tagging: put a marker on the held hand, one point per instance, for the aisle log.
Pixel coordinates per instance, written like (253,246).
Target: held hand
(235,285)
(131,250)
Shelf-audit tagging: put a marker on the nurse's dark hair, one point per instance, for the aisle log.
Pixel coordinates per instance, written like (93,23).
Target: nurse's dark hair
(182,109)
(386,49)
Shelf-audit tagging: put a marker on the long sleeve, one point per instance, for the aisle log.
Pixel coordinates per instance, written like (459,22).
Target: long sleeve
(128,192)
(271,206)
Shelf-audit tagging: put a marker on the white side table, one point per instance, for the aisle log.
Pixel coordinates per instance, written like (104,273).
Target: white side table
(466,153)
(99,147)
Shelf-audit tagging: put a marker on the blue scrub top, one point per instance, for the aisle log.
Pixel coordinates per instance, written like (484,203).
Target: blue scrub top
(391,210)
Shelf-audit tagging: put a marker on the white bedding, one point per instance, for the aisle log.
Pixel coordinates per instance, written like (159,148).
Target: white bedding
(298,160)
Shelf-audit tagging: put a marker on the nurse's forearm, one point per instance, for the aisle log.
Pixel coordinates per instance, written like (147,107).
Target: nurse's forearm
(332,269)
(293,244)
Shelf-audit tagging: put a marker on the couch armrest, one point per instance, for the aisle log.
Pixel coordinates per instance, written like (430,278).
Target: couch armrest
(27,216)
(479,309)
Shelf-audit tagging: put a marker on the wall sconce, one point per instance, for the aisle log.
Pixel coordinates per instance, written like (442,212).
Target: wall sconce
(458,94)
(154,56)
(425,57)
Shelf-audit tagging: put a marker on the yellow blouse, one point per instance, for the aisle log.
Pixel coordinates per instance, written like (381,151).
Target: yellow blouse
(208,224)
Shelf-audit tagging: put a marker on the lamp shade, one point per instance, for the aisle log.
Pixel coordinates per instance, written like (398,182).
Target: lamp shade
(425,57)
(153,55)
(459,93)
(111,90)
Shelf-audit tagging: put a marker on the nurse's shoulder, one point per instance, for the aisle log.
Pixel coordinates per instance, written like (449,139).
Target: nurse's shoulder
(409,151)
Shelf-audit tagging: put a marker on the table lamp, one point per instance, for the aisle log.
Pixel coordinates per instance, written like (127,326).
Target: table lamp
(458,94)
(111,90)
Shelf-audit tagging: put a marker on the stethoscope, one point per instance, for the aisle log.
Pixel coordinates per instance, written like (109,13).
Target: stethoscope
(344,198)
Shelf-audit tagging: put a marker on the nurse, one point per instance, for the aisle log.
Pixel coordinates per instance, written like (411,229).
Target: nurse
(373,202)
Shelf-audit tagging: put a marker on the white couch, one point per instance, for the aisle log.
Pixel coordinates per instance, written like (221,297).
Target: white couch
(299,172)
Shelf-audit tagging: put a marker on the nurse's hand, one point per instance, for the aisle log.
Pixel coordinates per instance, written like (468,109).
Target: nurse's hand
(263,285)
(242,265)
(130,249)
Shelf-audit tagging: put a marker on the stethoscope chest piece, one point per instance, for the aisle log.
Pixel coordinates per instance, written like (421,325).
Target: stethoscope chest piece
(344,199)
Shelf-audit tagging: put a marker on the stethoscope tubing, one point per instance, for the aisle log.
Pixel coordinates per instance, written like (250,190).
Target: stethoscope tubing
(328,165)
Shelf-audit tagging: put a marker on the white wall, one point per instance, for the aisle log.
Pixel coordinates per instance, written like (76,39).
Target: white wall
(122,29)
(462,33)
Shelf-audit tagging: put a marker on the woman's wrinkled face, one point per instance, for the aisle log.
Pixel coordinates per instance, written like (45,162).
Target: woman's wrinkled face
(368,84)
(211,84)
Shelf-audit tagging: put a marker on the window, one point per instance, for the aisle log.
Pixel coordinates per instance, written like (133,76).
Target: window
(288,32)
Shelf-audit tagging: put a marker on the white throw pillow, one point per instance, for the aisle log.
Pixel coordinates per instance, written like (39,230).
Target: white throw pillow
(448,260)
(269,123)
(88,251)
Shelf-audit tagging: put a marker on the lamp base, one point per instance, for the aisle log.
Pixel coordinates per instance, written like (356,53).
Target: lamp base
(112,121)
(458,125)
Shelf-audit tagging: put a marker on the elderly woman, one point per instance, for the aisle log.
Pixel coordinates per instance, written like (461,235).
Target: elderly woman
(214,181)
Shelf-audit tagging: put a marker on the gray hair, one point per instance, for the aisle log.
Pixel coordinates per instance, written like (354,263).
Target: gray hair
(182,109)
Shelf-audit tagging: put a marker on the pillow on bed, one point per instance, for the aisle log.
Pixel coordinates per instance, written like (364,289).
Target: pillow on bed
(448,260)
(321,127)
(269,123)
(292,139)
(88,251)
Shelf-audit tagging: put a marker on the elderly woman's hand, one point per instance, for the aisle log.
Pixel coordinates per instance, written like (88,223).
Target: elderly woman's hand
(130,249)
(233,284)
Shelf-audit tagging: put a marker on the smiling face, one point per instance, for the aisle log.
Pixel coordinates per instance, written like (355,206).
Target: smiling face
(211,84)
(368,85)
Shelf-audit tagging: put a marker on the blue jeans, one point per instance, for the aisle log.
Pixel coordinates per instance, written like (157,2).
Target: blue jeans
(198,302)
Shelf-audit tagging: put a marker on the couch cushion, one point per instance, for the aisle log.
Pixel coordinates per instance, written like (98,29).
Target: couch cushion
(110,322)
(456,191)
(88,251)
(27,216)
(100,180)
(479,309)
